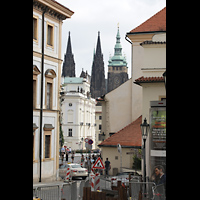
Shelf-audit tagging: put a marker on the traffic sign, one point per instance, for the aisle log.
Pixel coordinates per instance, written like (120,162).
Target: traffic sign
(119,148)
(86,140)
(98,164)
(90,141)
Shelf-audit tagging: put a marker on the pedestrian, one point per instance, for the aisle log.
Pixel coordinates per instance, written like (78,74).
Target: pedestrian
(86,163)
(159,177)
(89,164)
(94,158)
(82,160)
(67,156)
(107,166)
(72,157)
(62,153)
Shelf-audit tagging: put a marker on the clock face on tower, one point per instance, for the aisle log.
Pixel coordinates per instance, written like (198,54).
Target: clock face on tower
(116,81)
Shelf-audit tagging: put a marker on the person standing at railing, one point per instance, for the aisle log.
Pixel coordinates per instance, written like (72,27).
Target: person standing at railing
(107,166)
(160,176)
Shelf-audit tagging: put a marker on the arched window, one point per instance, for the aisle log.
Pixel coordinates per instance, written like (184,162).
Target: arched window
(36,71)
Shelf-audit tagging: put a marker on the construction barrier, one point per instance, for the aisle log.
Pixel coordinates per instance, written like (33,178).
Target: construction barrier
(67,178)
(92,181)
(97,181)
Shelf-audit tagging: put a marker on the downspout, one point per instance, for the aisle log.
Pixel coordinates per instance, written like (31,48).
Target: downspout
(41,94)
(128,39)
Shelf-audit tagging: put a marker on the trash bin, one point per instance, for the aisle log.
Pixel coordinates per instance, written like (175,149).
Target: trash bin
(115,171)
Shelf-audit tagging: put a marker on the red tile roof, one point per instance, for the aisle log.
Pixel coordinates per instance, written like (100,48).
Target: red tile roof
(143,79)
(129,136)
(155,23)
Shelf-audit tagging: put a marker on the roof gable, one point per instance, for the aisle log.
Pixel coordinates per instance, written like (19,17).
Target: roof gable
(155,23)
(129,136)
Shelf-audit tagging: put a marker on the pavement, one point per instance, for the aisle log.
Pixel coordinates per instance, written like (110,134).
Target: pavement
(39,184)
(105,182)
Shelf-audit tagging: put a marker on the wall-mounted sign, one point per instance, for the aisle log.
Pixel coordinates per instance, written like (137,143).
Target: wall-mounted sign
(157,142)
(158,129)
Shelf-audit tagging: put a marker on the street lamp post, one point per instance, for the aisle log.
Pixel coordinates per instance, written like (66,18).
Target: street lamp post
(145,129)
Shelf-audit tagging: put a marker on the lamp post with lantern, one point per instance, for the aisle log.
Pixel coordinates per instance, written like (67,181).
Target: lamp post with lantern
(145,129)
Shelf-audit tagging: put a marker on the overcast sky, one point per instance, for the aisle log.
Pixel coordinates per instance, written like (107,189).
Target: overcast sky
(91,16)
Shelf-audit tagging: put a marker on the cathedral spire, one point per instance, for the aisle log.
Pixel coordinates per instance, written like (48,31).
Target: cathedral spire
(68,69)
(98,49)
(97,86)
(69,47)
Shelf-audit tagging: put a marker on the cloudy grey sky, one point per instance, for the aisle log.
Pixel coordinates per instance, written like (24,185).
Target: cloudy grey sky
(91,16)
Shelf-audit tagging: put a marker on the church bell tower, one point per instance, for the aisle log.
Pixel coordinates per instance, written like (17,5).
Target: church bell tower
(117,66)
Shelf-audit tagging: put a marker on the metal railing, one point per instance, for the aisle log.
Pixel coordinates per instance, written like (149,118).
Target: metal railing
(159,192)
(65,191)
(146,190)
(47,192)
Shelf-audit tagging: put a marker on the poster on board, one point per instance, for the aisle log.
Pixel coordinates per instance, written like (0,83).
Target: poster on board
(157,144)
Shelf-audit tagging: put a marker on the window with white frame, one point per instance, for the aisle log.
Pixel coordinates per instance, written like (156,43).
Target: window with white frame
(70,132)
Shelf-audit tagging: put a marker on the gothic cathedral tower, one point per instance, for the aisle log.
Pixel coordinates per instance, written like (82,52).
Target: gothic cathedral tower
(97,87)
(117,67)
(68,69)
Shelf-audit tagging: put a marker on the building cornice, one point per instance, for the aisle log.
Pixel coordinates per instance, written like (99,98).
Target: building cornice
(54,9)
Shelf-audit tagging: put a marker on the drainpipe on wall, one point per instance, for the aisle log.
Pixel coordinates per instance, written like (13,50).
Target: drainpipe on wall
(41,95)
(128,39)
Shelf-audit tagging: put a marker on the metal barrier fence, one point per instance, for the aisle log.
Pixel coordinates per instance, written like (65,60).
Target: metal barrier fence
(159,192)
(141,190)
(65,191)
(146,190)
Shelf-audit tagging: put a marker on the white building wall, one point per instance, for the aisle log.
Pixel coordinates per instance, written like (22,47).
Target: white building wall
(154,65)
(83,112)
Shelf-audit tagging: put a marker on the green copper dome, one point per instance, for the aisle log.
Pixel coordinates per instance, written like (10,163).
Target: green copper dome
(117,59)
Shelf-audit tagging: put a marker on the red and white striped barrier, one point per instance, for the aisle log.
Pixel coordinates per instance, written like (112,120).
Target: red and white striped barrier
(97,181)
(67,178)
(92,181)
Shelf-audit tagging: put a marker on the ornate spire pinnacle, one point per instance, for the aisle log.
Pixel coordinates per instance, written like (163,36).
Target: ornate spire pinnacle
(69,47)
(68,69)
(97,86)
(98,49)
(118,47)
